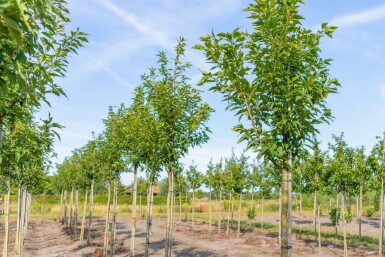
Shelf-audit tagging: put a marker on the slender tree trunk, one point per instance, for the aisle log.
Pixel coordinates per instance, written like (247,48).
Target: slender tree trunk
(133,223)
(186,209)
(6,215)
(17,236)
(150,200)
(263,200)
(107,225)
(315,214)
(114,217)
(319,222)
(192,210)
(286,211)
(180,203)
(210,211)
(280,217)
(228,216)
(76,213)
(380,244)
(300,215)
(84,218)
(343,224)
(169,212)
(71,209)
(90,217)
(61,205)
(219,215)
(239,215)
(65,208)
(232,211)
(337,219)
(360,212)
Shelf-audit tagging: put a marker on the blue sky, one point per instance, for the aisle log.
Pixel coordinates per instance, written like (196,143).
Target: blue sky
(125,36)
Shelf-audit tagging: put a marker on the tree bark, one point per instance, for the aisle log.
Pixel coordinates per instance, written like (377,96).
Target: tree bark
(300,215)
(61,206)
(280,216)
(343,224)
(319,222)
(286,212)
(192,209)
(170,208)
(186,209)
(150,199)
(315,214)
(71,209)
(380,243)
(228,216)
(360,212)
(107,225)
(114,217)
(17,236)
(263,200)
(90,217)
(219,215)
(337,219)
(239,215)
(65,208)
(210,211)
(133,217)
(76,216)
(84,218)
(6,215)
(180,203)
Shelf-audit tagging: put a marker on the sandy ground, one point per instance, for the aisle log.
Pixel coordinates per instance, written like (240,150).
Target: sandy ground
(47,238)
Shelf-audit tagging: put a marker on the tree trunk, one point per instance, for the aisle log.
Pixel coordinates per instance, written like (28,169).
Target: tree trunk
(90,217)
(343,224)
(133,217)
(319,222)
(315,214)
(170,208)
(76,213)
(65,208)
(219,215)
(17,236)
(286,216)
(232,211)
(192,210)
(84,218)
(239,215)
(263,200)
(210,211)
(6,215)
(280,216)
(71,209)
(380,244)
(360,212)
(61,206)
(107,225)
(150,199)
(337,219)
(300,215)
(228,216)
(114,217)
(186,209)
(180,203)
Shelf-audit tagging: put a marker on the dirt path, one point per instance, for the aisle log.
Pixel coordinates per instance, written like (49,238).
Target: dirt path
(46,238)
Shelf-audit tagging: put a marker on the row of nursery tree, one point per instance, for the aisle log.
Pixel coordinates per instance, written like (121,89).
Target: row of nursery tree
(272,76)
(35,45)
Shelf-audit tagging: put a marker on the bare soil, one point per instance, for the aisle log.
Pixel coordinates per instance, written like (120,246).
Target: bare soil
(47,238)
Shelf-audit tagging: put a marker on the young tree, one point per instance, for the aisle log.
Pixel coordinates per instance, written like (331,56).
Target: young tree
(276,80)
(179,108)
(194,179)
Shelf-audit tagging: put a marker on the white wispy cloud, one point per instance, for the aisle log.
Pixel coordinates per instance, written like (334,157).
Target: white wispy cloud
(154,33)
(366,16)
